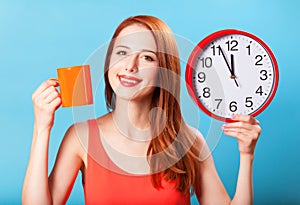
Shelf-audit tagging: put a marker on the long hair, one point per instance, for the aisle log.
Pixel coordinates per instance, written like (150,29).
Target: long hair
(175,144)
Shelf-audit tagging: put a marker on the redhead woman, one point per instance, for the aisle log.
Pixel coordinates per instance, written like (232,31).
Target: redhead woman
(141,151)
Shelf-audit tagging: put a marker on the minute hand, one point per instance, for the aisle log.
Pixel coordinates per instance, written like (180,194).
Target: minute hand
(231,70)
(225,60)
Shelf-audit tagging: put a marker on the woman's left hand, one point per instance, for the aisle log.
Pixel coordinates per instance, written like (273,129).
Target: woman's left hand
(246,129)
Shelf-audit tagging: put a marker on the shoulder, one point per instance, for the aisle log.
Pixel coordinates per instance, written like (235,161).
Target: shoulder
(78,133)
(205,153)
(76,139)
(196,132)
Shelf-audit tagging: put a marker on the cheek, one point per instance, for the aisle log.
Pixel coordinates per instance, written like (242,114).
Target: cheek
(113,81)
(152,74)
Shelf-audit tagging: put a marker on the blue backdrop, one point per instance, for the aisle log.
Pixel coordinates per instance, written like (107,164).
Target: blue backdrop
(36,38)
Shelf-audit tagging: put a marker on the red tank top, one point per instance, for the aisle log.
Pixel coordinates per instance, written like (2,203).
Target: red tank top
(103,186)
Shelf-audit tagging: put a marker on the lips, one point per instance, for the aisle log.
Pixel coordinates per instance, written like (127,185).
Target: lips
(128,81)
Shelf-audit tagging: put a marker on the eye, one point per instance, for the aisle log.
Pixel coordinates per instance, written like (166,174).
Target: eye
(148,58)
(122,53)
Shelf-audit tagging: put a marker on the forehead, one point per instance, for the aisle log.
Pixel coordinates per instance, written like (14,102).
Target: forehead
(136,37)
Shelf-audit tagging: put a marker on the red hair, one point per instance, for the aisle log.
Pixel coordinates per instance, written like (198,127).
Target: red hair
(176,145)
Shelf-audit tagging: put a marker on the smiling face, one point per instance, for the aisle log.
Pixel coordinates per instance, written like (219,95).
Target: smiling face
(134,63)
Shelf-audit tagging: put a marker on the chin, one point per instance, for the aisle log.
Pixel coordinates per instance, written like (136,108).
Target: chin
(135,95)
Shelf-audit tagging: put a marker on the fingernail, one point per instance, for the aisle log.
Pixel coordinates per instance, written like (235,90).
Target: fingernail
(56,80)
(223,126)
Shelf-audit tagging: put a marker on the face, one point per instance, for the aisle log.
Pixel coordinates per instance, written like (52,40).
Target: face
(133,65)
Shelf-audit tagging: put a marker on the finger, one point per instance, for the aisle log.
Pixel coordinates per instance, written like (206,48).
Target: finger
(46,93)
(52,96)
(239,135)
(257,122)
(240,124)
(241,130)
(244,118)
(45,97)
(55,102)
(44,86)
(55,79)
(253,133)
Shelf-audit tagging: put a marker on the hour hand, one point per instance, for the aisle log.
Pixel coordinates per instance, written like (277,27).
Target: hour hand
(233,70)
(232,66)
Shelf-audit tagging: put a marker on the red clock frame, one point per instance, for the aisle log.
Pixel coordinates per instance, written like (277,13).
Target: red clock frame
(202,44)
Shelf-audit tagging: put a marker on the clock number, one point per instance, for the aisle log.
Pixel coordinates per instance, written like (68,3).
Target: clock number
(248,49)
(248,102)
(231,45)
(206,62)
(264,75)
(259,59)
(201,77)
(214,50)
(259,91)
(206,92)
(233,106)
(218,105)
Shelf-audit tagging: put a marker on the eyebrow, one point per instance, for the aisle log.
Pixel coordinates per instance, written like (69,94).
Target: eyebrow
(143,50)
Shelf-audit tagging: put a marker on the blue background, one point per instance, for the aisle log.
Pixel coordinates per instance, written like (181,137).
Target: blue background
(37,37)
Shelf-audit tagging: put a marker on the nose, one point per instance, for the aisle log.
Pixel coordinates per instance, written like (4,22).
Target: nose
(132,63)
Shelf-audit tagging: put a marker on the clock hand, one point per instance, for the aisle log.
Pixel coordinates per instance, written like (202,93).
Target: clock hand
(232,70)
(232,66)
(225,60)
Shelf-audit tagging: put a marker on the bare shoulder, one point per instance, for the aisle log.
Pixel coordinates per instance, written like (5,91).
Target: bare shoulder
(76,138)
(196,132)
(210,189)
(205,153)
(77,134)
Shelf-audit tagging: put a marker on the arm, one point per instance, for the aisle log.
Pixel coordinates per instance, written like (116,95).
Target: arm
(37,188)
(244,190)
(247,130)
(45,101)
(210,187)
(68,162)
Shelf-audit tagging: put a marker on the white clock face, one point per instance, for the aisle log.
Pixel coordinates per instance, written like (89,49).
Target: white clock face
(233,74)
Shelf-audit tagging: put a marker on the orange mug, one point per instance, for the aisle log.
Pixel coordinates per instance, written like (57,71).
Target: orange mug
(75,85)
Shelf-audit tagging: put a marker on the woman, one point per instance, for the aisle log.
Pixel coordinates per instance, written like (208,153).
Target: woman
(165,163)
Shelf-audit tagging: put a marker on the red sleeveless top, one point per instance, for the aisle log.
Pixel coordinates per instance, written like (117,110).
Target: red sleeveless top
(103,186)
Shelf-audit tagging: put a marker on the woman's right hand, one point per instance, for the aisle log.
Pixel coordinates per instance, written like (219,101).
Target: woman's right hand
(46,99)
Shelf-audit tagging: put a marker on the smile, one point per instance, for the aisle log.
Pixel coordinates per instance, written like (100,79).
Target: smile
(129,81)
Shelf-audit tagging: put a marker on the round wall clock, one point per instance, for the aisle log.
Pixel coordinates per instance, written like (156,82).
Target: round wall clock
(232,71)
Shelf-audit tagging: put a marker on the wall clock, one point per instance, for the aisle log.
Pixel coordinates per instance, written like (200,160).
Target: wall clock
(232,71)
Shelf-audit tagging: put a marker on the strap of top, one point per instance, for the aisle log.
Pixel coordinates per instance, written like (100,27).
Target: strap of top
(95,148)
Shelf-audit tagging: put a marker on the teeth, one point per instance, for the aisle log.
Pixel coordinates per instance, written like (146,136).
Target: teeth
(128,80)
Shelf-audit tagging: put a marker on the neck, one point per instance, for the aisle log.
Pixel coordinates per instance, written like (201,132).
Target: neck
(131,118)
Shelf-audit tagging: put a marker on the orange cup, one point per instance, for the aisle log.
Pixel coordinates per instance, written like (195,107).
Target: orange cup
(75,85)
